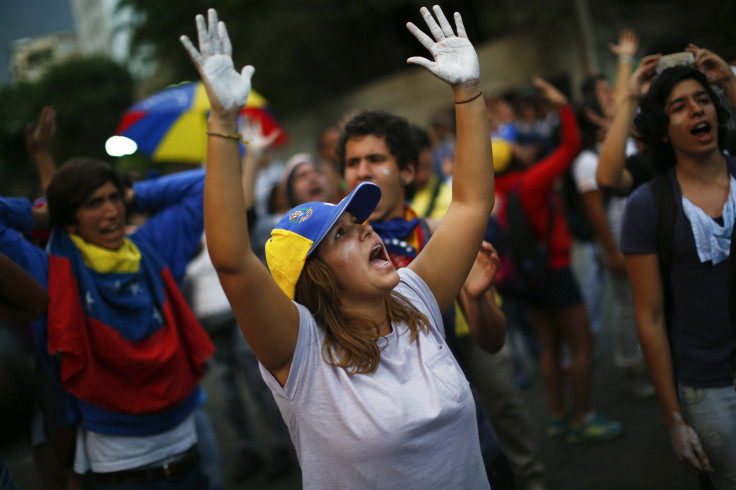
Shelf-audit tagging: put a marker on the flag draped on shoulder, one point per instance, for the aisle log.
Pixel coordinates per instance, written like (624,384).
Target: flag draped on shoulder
(127,340)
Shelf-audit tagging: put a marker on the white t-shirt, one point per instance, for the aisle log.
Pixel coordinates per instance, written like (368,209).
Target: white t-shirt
(411,424)
(583,171)
(208,297)
(105,453)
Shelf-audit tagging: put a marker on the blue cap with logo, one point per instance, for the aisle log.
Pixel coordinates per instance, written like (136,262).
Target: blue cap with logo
(301,230)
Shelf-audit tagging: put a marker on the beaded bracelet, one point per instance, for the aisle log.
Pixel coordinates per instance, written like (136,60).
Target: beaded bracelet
(229,136)
(472,98)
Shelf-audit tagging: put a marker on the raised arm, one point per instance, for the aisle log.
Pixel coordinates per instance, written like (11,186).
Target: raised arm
(173,204)
(611,173)
(486,321)
(541,176)
(716,69)
(268,319)
(445,262)
(38,143)
(628,43)
(258,143)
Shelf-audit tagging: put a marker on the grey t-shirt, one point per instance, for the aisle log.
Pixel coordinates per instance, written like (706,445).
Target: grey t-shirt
(410,424)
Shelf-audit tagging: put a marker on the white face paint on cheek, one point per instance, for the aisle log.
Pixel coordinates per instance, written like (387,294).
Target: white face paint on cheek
(386,172)
(347,251)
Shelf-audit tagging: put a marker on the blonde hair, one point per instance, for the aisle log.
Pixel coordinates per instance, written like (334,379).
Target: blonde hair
(351,342)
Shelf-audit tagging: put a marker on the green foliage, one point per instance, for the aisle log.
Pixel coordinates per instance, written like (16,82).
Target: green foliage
(89,95)
(304,52)
(17,102)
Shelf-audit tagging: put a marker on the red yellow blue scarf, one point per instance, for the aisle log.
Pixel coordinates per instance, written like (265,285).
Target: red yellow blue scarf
(128,341)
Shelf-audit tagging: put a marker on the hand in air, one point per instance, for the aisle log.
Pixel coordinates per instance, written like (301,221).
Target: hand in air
(549,92)
(455,60)
(628,42)
(226,88)
(643,76)
(688,449)
(483,272)
(712,65)
(258,143)
(38,139)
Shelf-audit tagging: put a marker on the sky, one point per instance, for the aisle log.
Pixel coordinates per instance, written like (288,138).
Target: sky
(28,18)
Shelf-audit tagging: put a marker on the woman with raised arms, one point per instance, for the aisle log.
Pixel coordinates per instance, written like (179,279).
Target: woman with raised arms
(353,350)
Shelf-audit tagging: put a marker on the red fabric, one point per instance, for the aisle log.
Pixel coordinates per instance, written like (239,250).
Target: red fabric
(130,119)
(537,191)
(101,367)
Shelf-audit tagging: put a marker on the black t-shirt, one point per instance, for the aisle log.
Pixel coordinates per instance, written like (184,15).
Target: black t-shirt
(641,168)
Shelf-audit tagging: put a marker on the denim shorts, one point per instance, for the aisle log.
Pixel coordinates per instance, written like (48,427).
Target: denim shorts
(711,412)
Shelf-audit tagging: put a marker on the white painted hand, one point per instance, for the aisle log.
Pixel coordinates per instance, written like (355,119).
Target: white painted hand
(258,142)
(688,449)
(226,88)
(455,60)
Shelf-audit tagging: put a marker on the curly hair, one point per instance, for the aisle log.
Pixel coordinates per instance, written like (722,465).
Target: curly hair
(351,342)
(73,183)
(652,122)
(393,129)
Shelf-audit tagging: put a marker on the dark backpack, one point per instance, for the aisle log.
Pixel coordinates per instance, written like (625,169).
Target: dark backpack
(524,265)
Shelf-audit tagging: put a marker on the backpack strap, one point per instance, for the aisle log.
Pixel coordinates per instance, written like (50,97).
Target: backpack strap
(664,198)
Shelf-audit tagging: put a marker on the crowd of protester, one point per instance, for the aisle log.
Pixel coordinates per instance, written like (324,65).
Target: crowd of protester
(122,301)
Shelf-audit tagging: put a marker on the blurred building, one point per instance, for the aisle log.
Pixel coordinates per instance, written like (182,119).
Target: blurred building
(31,57)
(101,29)
(93,19)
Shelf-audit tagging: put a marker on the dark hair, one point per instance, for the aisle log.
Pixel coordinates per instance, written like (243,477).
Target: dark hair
(420,138)
(652,122)
(393,129)
(73,183)
(588,129)
(319,139)
(587,88)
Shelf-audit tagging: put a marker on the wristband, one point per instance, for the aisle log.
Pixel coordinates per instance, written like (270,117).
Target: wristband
(625,58)
(472,98)
(236,137)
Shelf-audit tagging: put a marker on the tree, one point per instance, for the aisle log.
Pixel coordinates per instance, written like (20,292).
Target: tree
(90,96)
(304,52)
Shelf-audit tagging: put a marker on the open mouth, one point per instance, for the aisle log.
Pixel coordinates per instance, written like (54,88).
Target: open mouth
(702,131)
(378,255)
(111,230)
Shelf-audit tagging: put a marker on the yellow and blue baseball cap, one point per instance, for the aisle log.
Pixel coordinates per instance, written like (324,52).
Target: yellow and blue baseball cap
(301,230)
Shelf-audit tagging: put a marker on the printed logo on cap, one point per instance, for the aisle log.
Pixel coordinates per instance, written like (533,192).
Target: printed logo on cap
(300,215)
